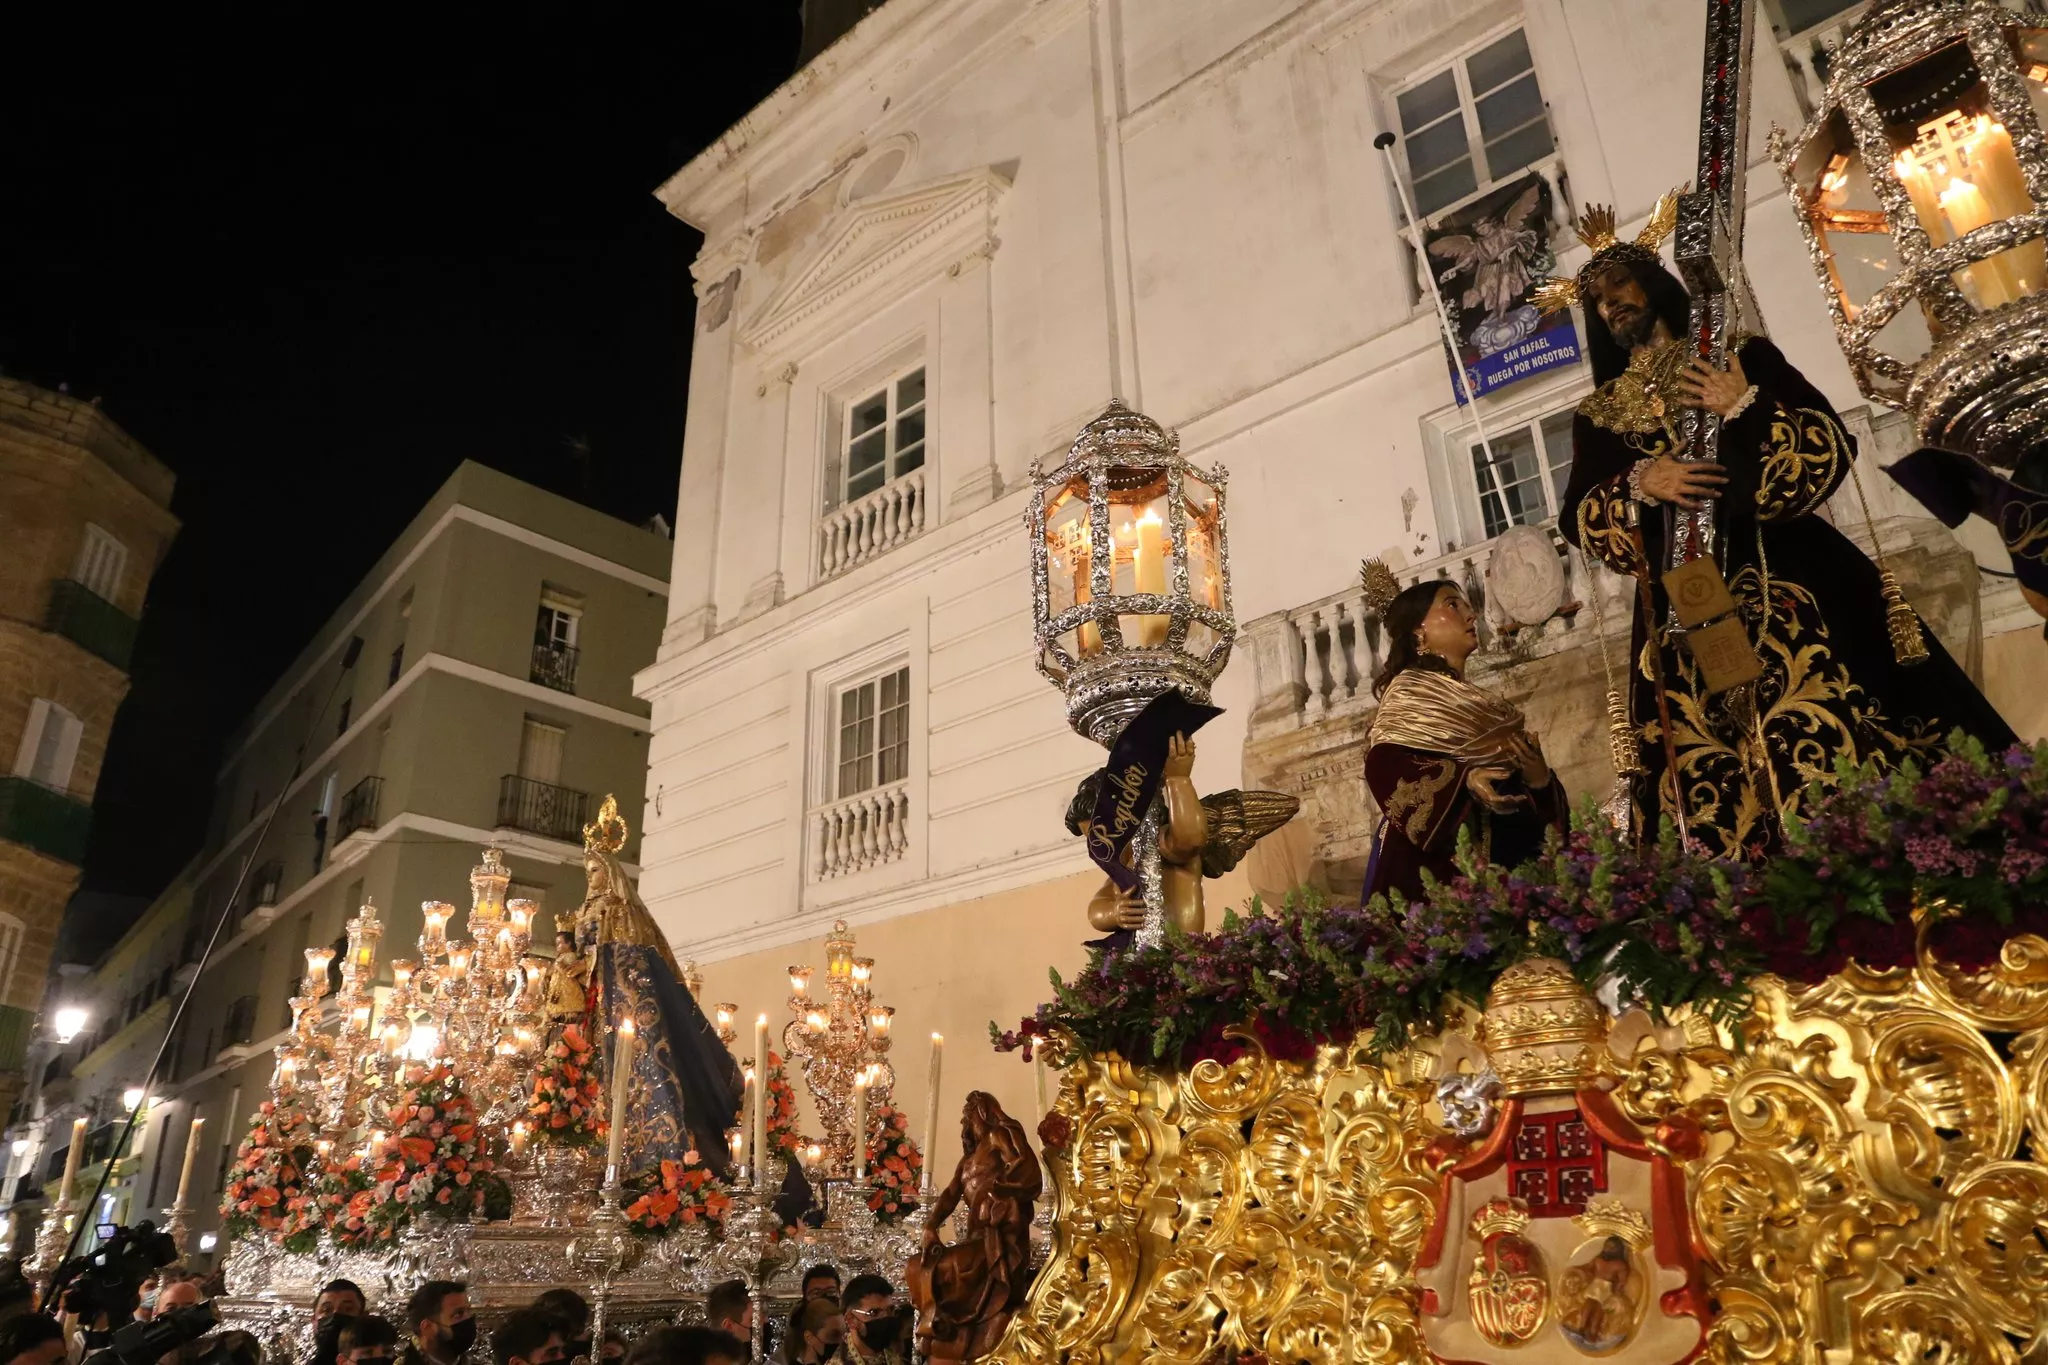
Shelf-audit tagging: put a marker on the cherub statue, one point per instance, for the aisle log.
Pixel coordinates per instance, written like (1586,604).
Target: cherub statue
(1202,836)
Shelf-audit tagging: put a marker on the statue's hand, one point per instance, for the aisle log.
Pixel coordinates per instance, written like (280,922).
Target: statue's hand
(1481,782)
(1130,908)
(1180,756)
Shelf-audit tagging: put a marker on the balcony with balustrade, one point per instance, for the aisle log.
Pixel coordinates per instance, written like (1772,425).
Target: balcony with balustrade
(96,625)
(859,833)
(541,808)
(870,527)
(359,808)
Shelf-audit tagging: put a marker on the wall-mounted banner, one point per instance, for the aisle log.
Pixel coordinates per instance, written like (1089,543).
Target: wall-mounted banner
(1488,257)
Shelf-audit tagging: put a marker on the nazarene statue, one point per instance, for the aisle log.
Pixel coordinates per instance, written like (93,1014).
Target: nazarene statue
(686,1087)
(1833,684)
(1443,756)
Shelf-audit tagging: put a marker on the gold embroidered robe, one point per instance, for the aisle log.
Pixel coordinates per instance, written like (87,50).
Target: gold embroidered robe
(1432,728)
(1810,599)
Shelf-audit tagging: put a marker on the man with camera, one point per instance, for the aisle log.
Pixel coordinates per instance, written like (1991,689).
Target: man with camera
(31,1339)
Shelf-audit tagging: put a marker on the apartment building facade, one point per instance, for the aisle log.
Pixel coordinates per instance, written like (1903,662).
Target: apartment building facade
(84,522)
(474,691)
(947,243)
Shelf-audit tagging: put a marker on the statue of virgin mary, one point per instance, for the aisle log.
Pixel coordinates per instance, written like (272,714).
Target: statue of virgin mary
(686,1088)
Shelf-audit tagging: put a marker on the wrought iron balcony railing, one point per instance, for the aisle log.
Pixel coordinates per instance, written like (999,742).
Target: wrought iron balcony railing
(554,666)
(538,808)
(359,808)
(81,615)
(45,819)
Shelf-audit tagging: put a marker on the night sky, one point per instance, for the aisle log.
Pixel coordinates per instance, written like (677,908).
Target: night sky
(313,260)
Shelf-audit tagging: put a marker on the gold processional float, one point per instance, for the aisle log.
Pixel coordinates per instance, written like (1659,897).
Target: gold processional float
(1826,1173)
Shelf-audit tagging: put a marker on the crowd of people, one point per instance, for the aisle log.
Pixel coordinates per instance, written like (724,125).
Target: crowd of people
(859,1324)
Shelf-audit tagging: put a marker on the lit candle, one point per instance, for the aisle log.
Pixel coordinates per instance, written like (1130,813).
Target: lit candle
(816,1022)
(458,962)
(71,1158)
(1090,641)
(1148,571)
(760,1097)
(879,1021)
(520,1137)
(799,980)
(435,932)
(860,1124)
(931,1105)
(739,1147)
(1038,1069)
(622,1070)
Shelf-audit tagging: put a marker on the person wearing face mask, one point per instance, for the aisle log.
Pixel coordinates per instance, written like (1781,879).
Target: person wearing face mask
(872,1327)
(338,1302)
(366,1341)
(442,1326)
(573,1311)
(820,1334)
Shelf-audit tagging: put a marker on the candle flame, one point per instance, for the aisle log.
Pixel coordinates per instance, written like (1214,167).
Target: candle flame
(626,1027)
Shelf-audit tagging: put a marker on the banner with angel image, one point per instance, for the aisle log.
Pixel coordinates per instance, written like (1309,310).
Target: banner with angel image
(1488,257)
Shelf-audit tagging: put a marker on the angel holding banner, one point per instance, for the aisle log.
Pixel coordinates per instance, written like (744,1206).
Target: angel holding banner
(1200,836)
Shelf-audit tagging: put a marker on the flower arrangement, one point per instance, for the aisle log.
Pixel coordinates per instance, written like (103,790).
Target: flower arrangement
(566,1108)
(345,1202)
(894,1163)
(674,1194)
(782,1130)
(1970,830)
(272,1170)
(429,1159)
(1661,924)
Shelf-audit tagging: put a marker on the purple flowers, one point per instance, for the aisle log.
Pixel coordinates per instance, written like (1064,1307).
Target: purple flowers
(1665,924)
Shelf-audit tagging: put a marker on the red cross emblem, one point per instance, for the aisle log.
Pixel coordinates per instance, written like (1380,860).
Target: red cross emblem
(1556,1163)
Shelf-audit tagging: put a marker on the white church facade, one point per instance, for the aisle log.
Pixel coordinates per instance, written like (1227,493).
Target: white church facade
(944,245)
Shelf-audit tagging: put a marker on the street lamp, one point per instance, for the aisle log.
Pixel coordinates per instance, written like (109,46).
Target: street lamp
(69,1023)
(1130,575)
(131,1097)
(1920,183)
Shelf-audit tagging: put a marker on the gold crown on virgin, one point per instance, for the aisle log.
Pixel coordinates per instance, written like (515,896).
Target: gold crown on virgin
(1596,229)
(1381,587)
(607,833)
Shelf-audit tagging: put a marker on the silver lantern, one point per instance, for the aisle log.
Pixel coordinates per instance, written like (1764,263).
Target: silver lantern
(1920,183)
(1130,572)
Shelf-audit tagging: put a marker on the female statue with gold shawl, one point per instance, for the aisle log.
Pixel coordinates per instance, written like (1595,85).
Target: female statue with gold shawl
(686,1088)
(1443,756)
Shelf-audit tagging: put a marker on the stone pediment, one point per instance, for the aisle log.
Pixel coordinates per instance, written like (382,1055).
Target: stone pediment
(876,248)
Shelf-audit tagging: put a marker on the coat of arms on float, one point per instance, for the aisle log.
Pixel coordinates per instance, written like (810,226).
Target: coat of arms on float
(1558,1217)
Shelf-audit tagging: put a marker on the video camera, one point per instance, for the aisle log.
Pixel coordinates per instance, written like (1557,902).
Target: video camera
(108,1279)
(146,1343)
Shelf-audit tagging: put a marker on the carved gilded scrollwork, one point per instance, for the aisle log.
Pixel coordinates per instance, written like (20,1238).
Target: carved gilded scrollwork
(1864,1180)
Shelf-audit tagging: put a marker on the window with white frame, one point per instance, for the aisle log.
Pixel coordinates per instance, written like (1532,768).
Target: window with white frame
(1473,123)
(882,436)
(560,619)
(101,562)
(1523,483)
(873,749)
(49,745)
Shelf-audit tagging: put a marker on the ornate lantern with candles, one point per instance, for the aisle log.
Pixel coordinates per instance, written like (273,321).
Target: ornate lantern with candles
(1921,183)
(1130,572)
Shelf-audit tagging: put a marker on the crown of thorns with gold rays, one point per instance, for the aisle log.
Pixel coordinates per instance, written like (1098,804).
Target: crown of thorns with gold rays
(1596,229)
(1381,587)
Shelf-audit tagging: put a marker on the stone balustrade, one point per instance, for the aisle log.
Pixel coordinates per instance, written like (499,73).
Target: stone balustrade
(871,526)
(860,832)
(1317,661)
